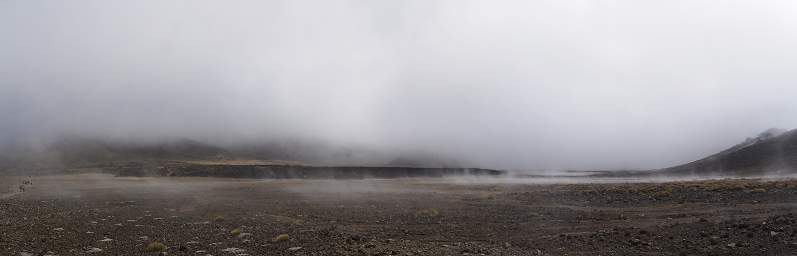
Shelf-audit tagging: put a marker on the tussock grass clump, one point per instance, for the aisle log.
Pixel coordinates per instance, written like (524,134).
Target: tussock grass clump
(218,218)
(282,238)
(664,192)
(430,212)
(156,247)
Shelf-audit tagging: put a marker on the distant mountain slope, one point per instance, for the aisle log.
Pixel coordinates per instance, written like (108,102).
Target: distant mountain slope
(771,152)
(82,151)
(76,152)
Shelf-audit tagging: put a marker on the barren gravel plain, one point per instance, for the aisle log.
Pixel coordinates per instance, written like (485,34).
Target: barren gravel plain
(97,214)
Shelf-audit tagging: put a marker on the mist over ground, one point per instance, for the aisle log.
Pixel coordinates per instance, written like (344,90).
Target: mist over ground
(500,84)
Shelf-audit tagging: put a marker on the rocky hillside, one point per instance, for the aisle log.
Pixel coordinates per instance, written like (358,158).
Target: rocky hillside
(771,152)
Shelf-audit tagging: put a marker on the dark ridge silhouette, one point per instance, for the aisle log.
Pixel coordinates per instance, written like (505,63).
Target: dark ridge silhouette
(772,152)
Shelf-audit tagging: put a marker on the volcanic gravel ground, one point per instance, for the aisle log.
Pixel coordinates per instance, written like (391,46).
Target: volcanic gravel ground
(93,214)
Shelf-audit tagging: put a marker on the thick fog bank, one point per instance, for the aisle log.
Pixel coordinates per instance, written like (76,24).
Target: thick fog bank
(499,84)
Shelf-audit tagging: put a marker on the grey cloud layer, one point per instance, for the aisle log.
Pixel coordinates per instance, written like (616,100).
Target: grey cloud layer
(519,84)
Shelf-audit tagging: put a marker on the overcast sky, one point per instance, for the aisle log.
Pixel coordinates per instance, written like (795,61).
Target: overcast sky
(506,84)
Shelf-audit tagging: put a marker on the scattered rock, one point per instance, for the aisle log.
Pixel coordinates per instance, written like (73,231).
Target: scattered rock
(233,250)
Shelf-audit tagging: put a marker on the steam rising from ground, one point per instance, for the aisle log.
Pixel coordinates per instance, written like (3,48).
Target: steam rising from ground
(504,84)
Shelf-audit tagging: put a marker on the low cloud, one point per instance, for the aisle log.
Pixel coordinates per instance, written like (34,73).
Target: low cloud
(504,84)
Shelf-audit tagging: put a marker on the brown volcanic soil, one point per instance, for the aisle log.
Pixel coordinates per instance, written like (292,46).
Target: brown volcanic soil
(71,214)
